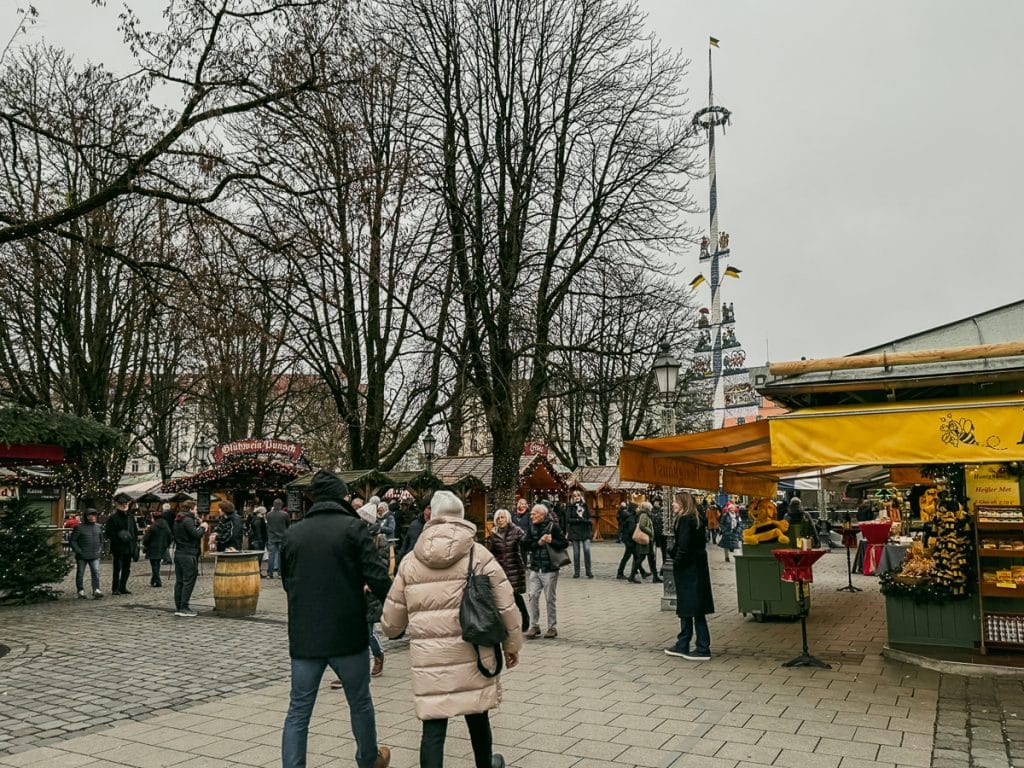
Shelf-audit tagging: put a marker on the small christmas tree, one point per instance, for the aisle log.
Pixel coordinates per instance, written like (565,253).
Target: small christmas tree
(29,562)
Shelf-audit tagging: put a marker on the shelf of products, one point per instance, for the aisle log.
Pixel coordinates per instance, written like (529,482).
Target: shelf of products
(999,535)
(1004,629)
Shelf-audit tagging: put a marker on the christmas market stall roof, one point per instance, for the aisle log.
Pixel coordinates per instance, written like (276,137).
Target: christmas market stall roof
(604,479)
(38,436)
(536,472)
(247,472)
(751,458)
(367,482)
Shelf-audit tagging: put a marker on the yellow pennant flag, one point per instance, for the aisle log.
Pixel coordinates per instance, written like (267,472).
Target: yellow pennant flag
(697,281)
(732,272)
(714,42)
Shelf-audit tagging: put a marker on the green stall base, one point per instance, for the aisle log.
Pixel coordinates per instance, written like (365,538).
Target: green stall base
(760,589)
(954,624)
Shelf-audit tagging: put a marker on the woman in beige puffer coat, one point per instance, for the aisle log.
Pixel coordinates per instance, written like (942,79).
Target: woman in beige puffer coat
(425,599)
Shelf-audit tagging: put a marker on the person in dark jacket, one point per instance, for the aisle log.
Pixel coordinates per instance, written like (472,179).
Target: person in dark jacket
(506,544)
(627,518)
(645,522)
(328,560)
(155,542)
(168,515)
(87,544)
(581,532)
(188,535)
(694,600)
(412,534)
(123,535)
(229,529)
(521,517)
(542,575)
(278,521)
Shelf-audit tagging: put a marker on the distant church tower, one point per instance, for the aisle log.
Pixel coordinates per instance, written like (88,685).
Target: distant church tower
(719,361)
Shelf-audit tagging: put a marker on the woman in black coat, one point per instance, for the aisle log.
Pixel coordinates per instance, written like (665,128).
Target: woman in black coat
(693,580)
(155,542)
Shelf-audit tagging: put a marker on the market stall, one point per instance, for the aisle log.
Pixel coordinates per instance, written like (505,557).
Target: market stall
(244,472)
(961,579)
(603,491)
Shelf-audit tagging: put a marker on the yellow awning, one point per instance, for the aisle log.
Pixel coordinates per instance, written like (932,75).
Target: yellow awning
(752,457)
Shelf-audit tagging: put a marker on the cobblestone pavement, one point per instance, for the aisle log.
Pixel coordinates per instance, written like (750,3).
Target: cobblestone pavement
(980,723)
(122,681)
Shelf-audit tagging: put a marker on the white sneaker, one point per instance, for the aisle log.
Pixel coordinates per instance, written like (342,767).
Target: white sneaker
(97,593)
(81,594)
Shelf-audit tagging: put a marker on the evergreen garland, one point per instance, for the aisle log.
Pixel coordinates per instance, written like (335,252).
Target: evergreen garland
(29,561)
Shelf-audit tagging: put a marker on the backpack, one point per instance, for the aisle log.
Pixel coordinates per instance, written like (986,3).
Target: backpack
(479,618)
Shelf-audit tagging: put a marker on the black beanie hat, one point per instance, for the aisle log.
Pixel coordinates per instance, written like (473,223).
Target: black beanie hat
(327,486)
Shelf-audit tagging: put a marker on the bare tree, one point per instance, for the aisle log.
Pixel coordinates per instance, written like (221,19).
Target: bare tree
(600,389)
(558,137)
(346,213)
(78,323)
(225,58)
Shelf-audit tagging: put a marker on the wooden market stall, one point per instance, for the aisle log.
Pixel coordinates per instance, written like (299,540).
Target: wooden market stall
(538,478)
(43,455)
(950,417)
(603,490)
(245,471)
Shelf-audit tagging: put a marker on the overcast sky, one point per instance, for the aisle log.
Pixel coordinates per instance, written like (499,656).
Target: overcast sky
(870,178)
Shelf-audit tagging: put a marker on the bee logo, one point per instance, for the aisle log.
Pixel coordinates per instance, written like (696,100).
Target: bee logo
(956,431)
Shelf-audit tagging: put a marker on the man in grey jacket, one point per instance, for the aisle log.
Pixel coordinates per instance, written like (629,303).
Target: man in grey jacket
(87,544)
(277,523)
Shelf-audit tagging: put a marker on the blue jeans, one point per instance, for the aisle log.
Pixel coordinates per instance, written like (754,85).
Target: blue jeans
(376,648)
(273,558)
(686,626)
(354,673)
(576,556)
(94,570)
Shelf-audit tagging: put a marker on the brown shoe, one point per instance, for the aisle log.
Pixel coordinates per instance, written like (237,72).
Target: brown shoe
(383,757)
(533,632)
(552,632)
(378,666)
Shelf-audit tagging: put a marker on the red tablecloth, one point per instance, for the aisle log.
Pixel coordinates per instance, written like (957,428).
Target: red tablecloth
(876,532)
(797,563)
(872,554)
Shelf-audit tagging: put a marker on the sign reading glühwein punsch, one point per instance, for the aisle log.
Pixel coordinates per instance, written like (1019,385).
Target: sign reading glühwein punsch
(284,448)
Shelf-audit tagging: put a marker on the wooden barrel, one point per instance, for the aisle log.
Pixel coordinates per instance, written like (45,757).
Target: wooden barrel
(236,583)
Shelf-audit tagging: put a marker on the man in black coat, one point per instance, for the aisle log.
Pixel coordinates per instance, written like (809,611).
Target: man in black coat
(328,563)
(123,535)
(412,533)
(229,529)
(188,535)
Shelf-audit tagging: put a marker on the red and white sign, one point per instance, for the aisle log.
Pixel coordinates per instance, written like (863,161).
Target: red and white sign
(535,448)
(8,492)
(285,448)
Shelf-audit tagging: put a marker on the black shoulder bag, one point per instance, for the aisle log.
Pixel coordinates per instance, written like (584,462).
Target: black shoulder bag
(481,623)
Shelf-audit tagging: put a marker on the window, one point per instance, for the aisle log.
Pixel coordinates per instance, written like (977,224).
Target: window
(135,467)
(152,467)
(740,420)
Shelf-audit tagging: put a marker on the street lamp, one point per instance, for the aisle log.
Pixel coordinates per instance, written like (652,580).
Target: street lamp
(202,452)
(666,373)
(428,448)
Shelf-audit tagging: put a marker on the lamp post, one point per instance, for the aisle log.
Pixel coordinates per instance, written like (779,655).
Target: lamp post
(666,373)
(202,453)
(429,444)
